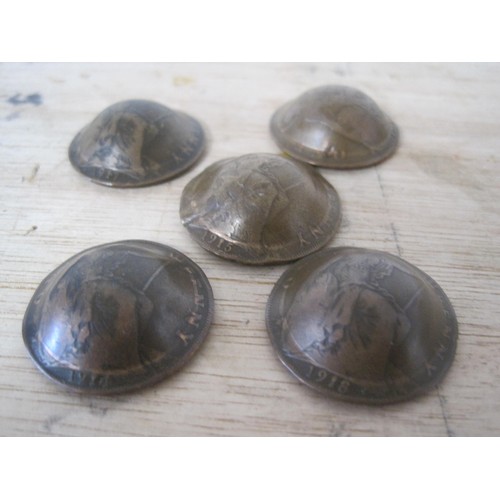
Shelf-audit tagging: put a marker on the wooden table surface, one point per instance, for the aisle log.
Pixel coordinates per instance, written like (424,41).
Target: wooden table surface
(435,203)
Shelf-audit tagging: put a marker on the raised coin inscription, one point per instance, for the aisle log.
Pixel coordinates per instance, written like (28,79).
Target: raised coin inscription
(362,325)
(260,209)
(136,143)
(334,126)
(118,316)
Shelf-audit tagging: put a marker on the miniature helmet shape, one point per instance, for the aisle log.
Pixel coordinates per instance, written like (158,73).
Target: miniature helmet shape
(136,143)
(362,325)
(334,126)
(118,317)
(260,209)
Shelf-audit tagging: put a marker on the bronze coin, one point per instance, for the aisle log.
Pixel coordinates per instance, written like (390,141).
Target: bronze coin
(119,316)
(334,126)
(260,209)
(362,325)
(136,143)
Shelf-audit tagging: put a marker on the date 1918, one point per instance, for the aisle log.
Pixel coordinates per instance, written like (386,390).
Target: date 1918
(328,380)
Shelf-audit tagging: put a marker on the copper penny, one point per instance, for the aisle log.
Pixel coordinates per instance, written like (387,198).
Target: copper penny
(119,316)
(334,126)
(362,325)
(136,143)
(260,209)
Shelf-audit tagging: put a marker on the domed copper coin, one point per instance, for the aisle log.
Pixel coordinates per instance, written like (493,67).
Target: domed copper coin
(136,143)
(260,209)
(362,325)
(334,126)
(118,317)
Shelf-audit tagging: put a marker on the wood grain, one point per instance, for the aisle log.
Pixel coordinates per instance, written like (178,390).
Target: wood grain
(435,203)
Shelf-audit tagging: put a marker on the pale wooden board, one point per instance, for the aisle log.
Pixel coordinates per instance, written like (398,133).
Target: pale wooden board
(435,202)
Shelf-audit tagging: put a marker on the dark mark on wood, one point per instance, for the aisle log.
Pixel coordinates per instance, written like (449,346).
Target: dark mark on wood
(339,430)
(395,236)
(33,174)
(97,409)
(51,421)
(12,116)
(35,99)
(30,230)
(442,402)
(393,227)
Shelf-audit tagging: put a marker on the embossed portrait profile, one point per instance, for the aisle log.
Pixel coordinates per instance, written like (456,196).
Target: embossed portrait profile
(137,142)
(271,208)
(117,141)
(359,323)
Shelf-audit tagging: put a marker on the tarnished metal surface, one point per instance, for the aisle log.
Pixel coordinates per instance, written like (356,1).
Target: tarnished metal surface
(334,126)
(362,325)
(118,316)
(260,209)
(135,143)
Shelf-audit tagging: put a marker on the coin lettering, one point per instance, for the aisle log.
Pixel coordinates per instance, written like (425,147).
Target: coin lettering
(362,325)
(260,209)
(118,317)
(185,337)
(303,241)
(334,126)
(136,143)
(317,232)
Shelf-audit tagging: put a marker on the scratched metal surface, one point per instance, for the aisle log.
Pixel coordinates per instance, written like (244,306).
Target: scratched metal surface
(435,203)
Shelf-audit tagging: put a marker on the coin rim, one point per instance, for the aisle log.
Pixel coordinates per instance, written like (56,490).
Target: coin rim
(419,389)
(157,376)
